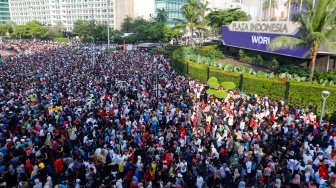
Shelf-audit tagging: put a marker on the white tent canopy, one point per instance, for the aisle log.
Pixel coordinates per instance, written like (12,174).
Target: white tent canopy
(147,45)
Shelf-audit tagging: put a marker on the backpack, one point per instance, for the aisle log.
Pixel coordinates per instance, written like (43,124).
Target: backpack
(222,152)
(254,165)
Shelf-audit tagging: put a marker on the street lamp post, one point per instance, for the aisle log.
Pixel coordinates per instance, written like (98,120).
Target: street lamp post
(325,94)
(269,10)
(108,24)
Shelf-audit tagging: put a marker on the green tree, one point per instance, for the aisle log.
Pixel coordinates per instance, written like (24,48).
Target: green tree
(81,28)
(317,31)
(4,28)
(273,4)
(140,21)
(161,15)
(35,29)
(224,17)
(127,25)
(171,33)
(190,13)
(158,33)
(20,31)
(142,33)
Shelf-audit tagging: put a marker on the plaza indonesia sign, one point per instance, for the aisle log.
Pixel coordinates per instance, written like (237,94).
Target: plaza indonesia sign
(289,28)
(257,35)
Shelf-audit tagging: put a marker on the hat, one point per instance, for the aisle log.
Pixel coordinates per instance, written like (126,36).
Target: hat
(262,179)
(113,161)
(41,165)
(179,175)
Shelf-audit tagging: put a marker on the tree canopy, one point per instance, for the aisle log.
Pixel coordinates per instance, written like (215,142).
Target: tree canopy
(225,17)
(130,24)
(81,27)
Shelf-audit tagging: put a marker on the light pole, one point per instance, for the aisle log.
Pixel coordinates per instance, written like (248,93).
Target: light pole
(289,9)
(93,55)
(108,24)
(269,10)
(325,94)
(313,4)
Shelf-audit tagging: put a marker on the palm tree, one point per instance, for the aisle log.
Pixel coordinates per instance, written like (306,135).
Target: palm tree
(270,5)
(161,15)
(202,8)
(190,13)
(317,28)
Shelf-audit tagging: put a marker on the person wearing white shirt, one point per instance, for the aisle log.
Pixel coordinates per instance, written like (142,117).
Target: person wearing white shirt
(198,142)
(199,181)
(119,183)
(248,167)
(183,167)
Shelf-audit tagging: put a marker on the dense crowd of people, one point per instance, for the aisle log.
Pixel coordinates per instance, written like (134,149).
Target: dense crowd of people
(77,116)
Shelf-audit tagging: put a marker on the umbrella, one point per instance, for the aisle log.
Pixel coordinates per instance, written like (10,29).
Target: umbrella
(228,85)
(210,91)
(212,79)
(221,94)
(214,85)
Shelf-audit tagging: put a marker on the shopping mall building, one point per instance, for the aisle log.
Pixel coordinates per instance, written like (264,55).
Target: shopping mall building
(254,36)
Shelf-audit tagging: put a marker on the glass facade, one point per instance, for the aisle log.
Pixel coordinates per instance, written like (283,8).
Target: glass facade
(4,11)
(173,7)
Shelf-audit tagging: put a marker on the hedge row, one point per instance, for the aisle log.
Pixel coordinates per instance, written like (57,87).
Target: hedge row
(300,93)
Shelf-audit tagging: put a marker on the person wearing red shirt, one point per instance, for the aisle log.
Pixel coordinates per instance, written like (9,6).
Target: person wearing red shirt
(58,165)
(169,158)
(323,172)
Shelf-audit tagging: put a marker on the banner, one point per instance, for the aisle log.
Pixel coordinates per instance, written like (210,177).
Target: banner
(256,36)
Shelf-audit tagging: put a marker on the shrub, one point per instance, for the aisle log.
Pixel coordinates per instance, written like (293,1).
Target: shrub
(60,39)
(302,93)
(85,40)
(111,49)
(228,85)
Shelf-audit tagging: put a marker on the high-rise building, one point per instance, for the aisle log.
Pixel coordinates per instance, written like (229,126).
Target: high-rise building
(49,12)
(4,11)
(133,8)
(173,7)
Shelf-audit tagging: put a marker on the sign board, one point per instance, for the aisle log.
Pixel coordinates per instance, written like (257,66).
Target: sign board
(257,35)
(287,28)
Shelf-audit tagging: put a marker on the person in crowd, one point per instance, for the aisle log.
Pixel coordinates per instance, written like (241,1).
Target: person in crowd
(78,116)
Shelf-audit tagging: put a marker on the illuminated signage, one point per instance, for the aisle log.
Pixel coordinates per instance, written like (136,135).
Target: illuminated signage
(281,27)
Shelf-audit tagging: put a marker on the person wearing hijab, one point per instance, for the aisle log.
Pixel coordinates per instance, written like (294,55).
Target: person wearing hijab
(34,173)
(49,183)
(296,181)
(241,184)
(134,183)
(277,183)
(38,184)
